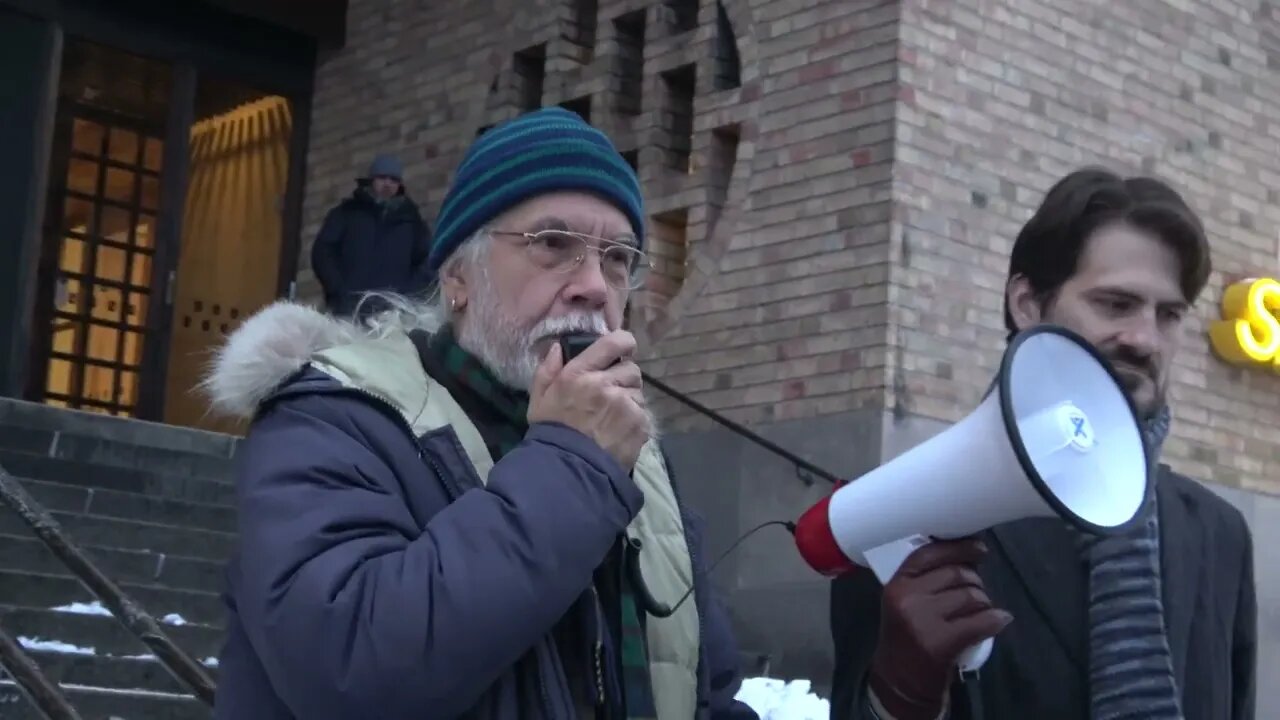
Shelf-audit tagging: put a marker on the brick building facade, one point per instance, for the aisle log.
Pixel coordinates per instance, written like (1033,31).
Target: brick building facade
(834,187)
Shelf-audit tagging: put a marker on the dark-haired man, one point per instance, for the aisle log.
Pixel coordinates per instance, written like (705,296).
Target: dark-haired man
(1159,624)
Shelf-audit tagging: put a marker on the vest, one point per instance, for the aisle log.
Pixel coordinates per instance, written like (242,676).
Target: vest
(391,370)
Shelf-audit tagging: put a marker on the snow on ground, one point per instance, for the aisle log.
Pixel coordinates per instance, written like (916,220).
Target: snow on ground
(775,699)
(56,646)
(79,608)
(96,608)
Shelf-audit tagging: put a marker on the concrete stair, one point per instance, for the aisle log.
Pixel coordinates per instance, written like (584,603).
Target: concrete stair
(151,505)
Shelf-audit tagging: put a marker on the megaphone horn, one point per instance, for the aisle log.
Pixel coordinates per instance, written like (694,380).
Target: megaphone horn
(1058,436)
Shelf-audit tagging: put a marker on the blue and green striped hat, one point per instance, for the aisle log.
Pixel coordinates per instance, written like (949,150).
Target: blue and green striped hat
(543,151)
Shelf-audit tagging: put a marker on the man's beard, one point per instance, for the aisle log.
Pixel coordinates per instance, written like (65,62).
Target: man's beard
(508,350)
(1130,368)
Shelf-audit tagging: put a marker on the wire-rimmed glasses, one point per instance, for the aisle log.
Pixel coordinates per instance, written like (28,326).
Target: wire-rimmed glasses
(561,251)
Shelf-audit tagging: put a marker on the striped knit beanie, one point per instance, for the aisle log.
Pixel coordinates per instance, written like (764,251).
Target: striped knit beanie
(543,151)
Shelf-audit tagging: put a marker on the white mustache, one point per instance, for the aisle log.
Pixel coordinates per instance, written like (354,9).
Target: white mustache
(573,322)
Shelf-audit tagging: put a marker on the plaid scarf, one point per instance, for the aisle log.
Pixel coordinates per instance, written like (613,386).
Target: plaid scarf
(503,424)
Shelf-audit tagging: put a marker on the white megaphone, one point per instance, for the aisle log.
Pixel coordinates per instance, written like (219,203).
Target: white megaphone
(1058,436)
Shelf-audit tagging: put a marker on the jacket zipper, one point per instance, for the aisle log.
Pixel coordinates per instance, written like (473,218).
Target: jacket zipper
(598,659)
(547,707)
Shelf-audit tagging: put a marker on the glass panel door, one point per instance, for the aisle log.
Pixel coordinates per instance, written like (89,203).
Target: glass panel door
(101,226)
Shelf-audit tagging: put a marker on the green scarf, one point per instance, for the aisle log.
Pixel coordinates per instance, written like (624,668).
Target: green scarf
(504,429)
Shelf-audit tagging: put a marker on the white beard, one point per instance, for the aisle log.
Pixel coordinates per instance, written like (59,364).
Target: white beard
(507,349)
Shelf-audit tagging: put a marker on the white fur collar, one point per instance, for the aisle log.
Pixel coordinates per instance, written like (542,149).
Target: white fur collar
(265,350)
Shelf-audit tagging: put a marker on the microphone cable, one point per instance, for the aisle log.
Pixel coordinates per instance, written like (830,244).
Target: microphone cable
(659,609)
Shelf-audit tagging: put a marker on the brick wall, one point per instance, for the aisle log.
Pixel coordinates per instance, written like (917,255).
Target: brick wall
(771,237)
(1001,99)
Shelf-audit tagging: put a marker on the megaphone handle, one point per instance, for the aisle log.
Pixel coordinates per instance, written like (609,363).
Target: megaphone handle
(885,560)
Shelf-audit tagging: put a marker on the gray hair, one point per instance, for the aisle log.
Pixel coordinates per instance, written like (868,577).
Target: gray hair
(404,314)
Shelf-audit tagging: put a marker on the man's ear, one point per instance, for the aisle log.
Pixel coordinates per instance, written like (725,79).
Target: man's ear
(1024,306)
(453,282)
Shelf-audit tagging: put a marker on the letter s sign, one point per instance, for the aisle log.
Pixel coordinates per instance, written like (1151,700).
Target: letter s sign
(1249,331)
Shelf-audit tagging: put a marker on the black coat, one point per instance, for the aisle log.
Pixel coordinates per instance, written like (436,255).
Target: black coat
(1039,665)
(364,246)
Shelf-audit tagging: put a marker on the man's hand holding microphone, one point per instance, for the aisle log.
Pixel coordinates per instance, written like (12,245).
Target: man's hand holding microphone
(598,393)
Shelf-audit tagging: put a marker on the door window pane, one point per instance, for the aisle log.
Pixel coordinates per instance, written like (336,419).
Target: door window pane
(59,379)
(111,263)
(132,354)
(140,274)
(103,341)
(152,154)
(77,215)
(123,147)
(108,304)
(82,176)
(87,137)
(72,255)
(120,185)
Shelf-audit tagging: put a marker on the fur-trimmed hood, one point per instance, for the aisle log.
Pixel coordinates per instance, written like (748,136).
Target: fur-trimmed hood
(270,346)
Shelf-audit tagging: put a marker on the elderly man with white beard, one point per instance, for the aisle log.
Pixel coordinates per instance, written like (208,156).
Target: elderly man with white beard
(442,517)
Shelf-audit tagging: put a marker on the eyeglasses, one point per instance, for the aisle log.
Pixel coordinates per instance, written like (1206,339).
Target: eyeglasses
(561,251)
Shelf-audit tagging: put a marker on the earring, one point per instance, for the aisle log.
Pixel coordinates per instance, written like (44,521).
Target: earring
(453,303)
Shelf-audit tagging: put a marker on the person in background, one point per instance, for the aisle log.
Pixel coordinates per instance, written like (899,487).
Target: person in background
(374,241)
(440,515)
(1159,624)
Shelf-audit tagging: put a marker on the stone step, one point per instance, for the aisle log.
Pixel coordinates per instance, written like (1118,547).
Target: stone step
(77,664)
(124,431)
(27,553)
(75,499)
(98,451)
(90,625)
(94,703)
(25,589)
(173,486)
(131,535)
(71,665)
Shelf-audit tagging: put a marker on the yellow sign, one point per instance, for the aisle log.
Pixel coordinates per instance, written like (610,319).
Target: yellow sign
(1249,331)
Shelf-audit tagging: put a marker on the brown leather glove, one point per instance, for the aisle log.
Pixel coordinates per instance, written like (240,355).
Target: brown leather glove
(933,609)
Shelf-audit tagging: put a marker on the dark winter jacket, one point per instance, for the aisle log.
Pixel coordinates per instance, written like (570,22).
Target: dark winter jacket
(388,570)
(365,246)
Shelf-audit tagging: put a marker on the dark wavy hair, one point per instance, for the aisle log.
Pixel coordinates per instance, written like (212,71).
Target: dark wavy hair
(1047,250)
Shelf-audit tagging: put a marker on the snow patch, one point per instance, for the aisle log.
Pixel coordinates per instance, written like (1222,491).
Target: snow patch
(775,699)
(126,692)
(56,646)
(79,608)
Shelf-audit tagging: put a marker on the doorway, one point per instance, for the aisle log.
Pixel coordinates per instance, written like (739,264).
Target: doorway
(228,262)
(171,197)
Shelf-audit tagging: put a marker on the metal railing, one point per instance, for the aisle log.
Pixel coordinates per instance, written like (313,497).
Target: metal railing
(802,466)
(45,695)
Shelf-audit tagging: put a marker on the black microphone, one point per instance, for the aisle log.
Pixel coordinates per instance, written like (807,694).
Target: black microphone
(572,344)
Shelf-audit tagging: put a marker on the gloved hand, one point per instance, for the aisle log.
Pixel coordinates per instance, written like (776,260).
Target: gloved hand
(933,609)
